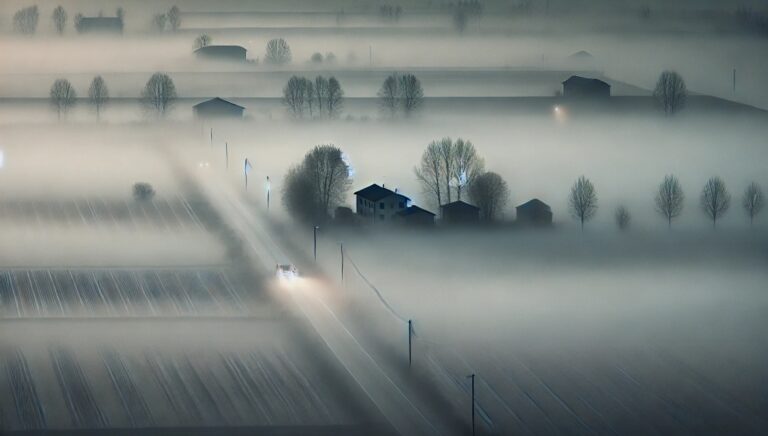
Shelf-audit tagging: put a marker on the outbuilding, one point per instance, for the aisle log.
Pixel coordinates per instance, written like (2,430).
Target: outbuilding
(218,108)
(583,87)
(99,25)
(534,213)
(233,53)
(414,216)
(459,213)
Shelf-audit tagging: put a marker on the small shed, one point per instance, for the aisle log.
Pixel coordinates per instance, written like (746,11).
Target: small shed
(583,87)
(218,108)
(459,212)
(233,53)
(100,25)
(534,213)
(416,217)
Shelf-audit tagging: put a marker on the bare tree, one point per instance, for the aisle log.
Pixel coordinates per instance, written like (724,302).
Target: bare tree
(174,17)
(460,19)
(412,93)
(309,90)
(622,217)
(78,21)
(294,94)
(203,40)
(389,95)
(159,21)
(278,52)
(143,191)
(669,198)
(335,98)
(752,201)
(25,20)
(316,58)
(445,150)
(98,94)
(321,93)
(431,172)
(318,185)
(583,200)
(159,93)
(120,14)
(59,18)
(62,96)
(467,165)
(670,92)
(490,193)
(715,199)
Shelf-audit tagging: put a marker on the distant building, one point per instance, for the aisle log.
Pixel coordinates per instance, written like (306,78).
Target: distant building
(100,25)
(534,213)
(416,217)
(582,87)
(222,53)
(460,212)
(218,108)
(378,204)
(581,55)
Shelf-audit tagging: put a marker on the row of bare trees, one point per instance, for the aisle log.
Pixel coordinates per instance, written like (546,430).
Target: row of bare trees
(170,20)
(400,93)
(321,98)
(715,200)
(25,20)
(451,167)
(158,94)
(63,95)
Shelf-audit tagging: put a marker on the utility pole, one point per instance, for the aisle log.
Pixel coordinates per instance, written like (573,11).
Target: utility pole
(734,80)
(211,136)
(410,343)
(314,231)
(341,245)
(226,154)
(472,376)
(268,188)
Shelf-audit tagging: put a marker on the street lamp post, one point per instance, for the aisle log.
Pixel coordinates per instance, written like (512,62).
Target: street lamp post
(472,377)
(314,232)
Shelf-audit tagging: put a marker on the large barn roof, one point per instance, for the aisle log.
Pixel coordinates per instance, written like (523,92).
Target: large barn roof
(217,101)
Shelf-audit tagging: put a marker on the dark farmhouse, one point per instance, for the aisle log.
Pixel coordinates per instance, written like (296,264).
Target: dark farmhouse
(534,213)
(460,212)
(416,217)
(218,108)
(379,204)
(221,53)
(99,25)
(582,87)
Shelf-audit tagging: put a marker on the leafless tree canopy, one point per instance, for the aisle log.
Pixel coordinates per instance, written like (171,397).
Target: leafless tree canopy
(25,20)
(715,199)
(278,52)
(669,198)
(753,201)
(143,191)
(431,173)
(203,40)
(159,93)
(174,18)
(583,200)
(622,217)
(62,96)
(59,18)
(412,94)
(447,167)
(389,95)
(400,92)
(490,193)
(159,22)
(321,98)
(670,92)
(98,94)
(467,165)
(318,185)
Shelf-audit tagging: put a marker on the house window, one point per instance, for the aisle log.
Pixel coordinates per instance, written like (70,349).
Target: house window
(381,205)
